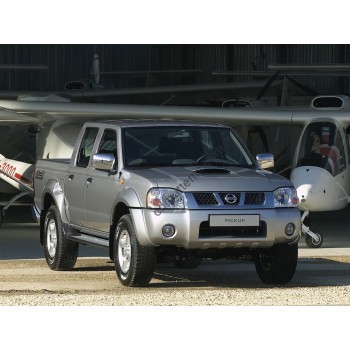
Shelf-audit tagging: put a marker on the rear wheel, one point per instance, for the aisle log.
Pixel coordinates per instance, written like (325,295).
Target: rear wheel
(134,264)
(60,253)
(278,264)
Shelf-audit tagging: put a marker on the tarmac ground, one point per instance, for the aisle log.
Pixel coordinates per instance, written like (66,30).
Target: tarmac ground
(322,276)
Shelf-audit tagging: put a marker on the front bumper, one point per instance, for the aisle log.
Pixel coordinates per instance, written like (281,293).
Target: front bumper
(149,223)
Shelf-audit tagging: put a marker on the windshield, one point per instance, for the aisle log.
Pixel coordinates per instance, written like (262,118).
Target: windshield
(181,145)
(322,146)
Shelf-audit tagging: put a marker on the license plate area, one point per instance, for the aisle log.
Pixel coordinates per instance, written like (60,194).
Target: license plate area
(244,220)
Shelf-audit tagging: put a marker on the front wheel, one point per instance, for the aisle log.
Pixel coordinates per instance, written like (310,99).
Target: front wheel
(278,264)
(60,253)
(134,264)
(312,242)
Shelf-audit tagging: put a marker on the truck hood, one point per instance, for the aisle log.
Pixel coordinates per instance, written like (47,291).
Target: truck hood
(211,178)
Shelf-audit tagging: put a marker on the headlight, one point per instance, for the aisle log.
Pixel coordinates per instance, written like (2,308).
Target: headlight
(165,198)
(285,197)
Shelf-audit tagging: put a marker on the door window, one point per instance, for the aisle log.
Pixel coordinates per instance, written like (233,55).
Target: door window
(108,144)
(86,146)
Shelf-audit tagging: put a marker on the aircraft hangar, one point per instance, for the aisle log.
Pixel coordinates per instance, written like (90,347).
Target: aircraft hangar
(173,74)
(49,67)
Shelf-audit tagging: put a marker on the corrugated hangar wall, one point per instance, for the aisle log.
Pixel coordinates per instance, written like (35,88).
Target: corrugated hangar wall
(72,62)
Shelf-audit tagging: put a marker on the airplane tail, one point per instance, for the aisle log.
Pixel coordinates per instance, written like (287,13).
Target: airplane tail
(17,174)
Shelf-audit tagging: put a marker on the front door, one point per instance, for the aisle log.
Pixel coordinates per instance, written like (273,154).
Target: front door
(101,190)
(77,177)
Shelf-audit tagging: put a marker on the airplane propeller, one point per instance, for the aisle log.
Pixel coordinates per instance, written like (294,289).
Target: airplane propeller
(303,87)
(267,85)
(297,83)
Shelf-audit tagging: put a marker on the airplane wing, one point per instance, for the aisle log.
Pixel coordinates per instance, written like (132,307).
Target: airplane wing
(12,117)
(23,112)
(41,112)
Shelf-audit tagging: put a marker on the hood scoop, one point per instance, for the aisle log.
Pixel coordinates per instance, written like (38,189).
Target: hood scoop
(209,171)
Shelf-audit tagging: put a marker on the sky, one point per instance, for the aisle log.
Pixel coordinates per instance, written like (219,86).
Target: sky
(180,21)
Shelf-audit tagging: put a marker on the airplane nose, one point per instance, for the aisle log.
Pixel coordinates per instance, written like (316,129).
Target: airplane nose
(304,192)
(316,189)
(309,183)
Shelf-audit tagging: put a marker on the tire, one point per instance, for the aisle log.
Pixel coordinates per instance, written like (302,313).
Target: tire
(312,243)
(134,264)
(278,264)
(187,262)
(60,253)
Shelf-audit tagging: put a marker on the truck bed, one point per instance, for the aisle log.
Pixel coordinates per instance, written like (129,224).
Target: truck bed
(48,170)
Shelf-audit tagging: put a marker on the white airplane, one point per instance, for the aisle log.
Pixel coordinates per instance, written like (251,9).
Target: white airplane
(320,170)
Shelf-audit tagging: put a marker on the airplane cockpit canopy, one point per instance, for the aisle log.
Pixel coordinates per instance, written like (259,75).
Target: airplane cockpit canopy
(322,146)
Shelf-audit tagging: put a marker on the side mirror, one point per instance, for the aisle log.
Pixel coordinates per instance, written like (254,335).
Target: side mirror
(265,160)
(103,161)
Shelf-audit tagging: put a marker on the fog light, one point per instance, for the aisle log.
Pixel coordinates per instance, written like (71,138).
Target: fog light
(168,231)
(289,230)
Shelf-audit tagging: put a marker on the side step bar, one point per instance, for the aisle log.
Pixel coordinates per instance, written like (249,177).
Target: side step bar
(91,240)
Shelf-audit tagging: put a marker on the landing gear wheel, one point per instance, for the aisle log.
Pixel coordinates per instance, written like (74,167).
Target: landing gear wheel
(187,262)
(278,264)
(134,264)
(60,253)
(313,243)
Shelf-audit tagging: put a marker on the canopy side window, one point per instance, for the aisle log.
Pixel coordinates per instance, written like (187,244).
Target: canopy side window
(322,146)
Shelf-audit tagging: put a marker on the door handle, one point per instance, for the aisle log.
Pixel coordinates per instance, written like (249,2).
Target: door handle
(70,177)
(89,180)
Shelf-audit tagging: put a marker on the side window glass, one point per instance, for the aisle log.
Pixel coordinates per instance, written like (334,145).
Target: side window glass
(108,144)
(86,146)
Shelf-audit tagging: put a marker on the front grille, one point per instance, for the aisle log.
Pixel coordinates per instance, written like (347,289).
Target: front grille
(254,198)
(205,198)
(228,200)
(205,231)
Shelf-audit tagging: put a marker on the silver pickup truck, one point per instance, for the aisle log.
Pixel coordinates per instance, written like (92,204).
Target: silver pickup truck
(155,191)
